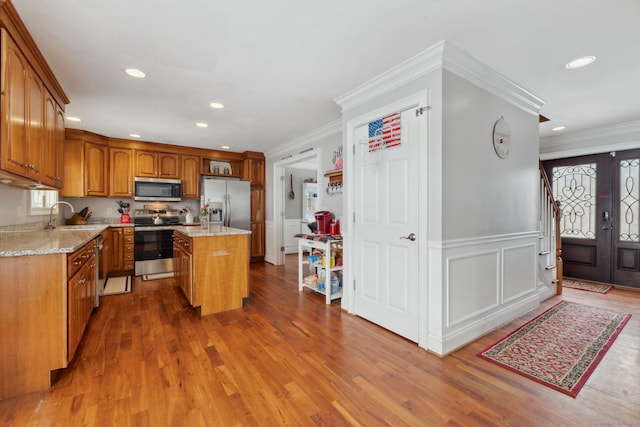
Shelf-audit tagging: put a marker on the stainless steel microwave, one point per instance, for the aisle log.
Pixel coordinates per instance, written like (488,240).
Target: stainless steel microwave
(157,189)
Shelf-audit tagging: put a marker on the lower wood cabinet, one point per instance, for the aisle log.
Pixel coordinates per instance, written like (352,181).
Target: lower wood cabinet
(183,265)
(212,271)
(119,253)
(45,306)
(81,293)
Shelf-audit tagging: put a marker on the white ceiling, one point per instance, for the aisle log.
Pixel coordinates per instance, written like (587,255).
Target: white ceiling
(278,65)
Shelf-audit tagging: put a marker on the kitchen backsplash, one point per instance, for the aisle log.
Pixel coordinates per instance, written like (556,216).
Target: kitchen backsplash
(14,208)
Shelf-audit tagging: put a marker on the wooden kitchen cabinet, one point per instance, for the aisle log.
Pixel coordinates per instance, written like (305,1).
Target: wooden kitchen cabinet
(85,167)
(257,223)
(183,264)
(217,269)
(22,106)
(33,313)
(119,255)
(121,172)
(97,166)
(28,142)
(190,175)
(253,168)
(154,164)
(81,293)
(51,143)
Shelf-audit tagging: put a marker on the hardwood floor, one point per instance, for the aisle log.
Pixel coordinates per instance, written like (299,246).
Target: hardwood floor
(147,359)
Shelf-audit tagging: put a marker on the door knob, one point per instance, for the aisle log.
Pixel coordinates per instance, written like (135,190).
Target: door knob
(411,237)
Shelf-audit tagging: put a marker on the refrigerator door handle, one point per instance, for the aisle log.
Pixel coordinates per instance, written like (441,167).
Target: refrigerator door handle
(227,219)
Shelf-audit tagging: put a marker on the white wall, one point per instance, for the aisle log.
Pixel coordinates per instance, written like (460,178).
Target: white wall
(14,207)
(478,268)
(484,194)
(293,207)
(321,142)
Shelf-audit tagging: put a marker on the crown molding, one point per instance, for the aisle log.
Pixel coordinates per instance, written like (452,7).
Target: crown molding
(469,68)
(442,55)
(614,137)
(307,139)
(425,62)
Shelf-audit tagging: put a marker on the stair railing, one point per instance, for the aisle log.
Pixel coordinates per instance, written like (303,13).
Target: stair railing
(550,214)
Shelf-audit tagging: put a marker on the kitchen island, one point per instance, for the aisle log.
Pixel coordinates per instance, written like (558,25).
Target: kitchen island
(212,266)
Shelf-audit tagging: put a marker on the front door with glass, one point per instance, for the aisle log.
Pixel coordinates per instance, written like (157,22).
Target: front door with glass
(599,199)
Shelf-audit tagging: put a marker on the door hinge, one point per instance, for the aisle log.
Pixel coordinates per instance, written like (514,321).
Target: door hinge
(354,148)
(421,110)
(354,284)
(281,248)
(354,217)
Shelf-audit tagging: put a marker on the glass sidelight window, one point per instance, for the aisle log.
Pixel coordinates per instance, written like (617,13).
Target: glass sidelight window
(575,188)
(629,197)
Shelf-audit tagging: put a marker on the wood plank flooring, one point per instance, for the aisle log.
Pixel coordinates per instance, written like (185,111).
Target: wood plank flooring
(147,359)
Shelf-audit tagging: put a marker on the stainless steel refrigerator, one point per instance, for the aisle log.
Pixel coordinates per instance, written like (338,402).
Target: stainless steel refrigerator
(232,200)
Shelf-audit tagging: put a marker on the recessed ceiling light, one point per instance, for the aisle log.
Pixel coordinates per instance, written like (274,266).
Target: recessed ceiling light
(135,135)
(225,147)
(202,125)
(580,62)
(557,128)
(217,105)
(73,119)
(134,72)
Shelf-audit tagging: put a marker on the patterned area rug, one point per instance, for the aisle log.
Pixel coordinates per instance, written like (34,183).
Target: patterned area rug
(561,347)
(586,285)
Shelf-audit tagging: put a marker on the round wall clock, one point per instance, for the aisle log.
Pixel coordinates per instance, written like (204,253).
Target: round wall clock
(502,138)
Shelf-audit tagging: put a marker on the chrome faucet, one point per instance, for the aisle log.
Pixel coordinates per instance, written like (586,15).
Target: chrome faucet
(52,221)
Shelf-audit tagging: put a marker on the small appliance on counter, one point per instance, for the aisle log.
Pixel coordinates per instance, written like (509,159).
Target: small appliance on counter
(323,221)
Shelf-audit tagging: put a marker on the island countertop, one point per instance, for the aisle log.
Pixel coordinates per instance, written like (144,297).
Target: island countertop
(64,239)
(213,230)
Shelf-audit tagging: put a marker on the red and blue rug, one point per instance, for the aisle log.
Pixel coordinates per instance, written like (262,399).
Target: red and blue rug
(561,347)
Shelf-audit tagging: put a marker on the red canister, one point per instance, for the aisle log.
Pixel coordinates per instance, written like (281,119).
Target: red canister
(334,228)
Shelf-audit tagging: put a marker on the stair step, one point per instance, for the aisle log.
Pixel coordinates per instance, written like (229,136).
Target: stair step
(544,252)
(550,267)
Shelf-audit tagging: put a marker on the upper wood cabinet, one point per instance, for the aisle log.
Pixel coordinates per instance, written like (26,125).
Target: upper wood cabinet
(14,87)
(85,168)
(190,166)
(96,165)
(156,164)
(253,168)
(121,172)
(28,142)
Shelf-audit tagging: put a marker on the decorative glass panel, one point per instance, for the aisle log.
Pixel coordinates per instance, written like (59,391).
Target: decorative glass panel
(575,188)
(629,195)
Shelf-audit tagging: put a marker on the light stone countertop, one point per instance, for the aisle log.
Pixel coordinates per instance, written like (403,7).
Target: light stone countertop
(213,230)
(64,239)
(70,238)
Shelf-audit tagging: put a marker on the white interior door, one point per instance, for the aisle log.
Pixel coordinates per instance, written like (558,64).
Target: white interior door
(386,215)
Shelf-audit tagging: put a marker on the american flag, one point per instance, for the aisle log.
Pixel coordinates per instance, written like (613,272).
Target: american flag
(384,132)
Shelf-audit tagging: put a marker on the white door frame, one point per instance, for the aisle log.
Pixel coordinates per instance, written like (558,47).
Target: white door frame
(348,301)
(279,191)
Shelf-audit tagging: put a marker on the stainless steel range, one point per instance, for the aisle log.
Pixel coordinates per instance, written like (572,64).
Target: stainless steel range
(153,238)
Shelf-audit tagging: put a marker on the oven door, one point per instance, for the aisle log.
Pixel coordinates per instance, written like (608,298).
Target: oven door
(153,251)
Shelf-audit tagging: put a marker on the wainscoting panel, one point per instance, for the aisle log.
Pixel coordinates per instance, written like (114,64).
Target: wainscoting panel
(291,228)
(485,282)
(270,239)
(519,271)
(473,285)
